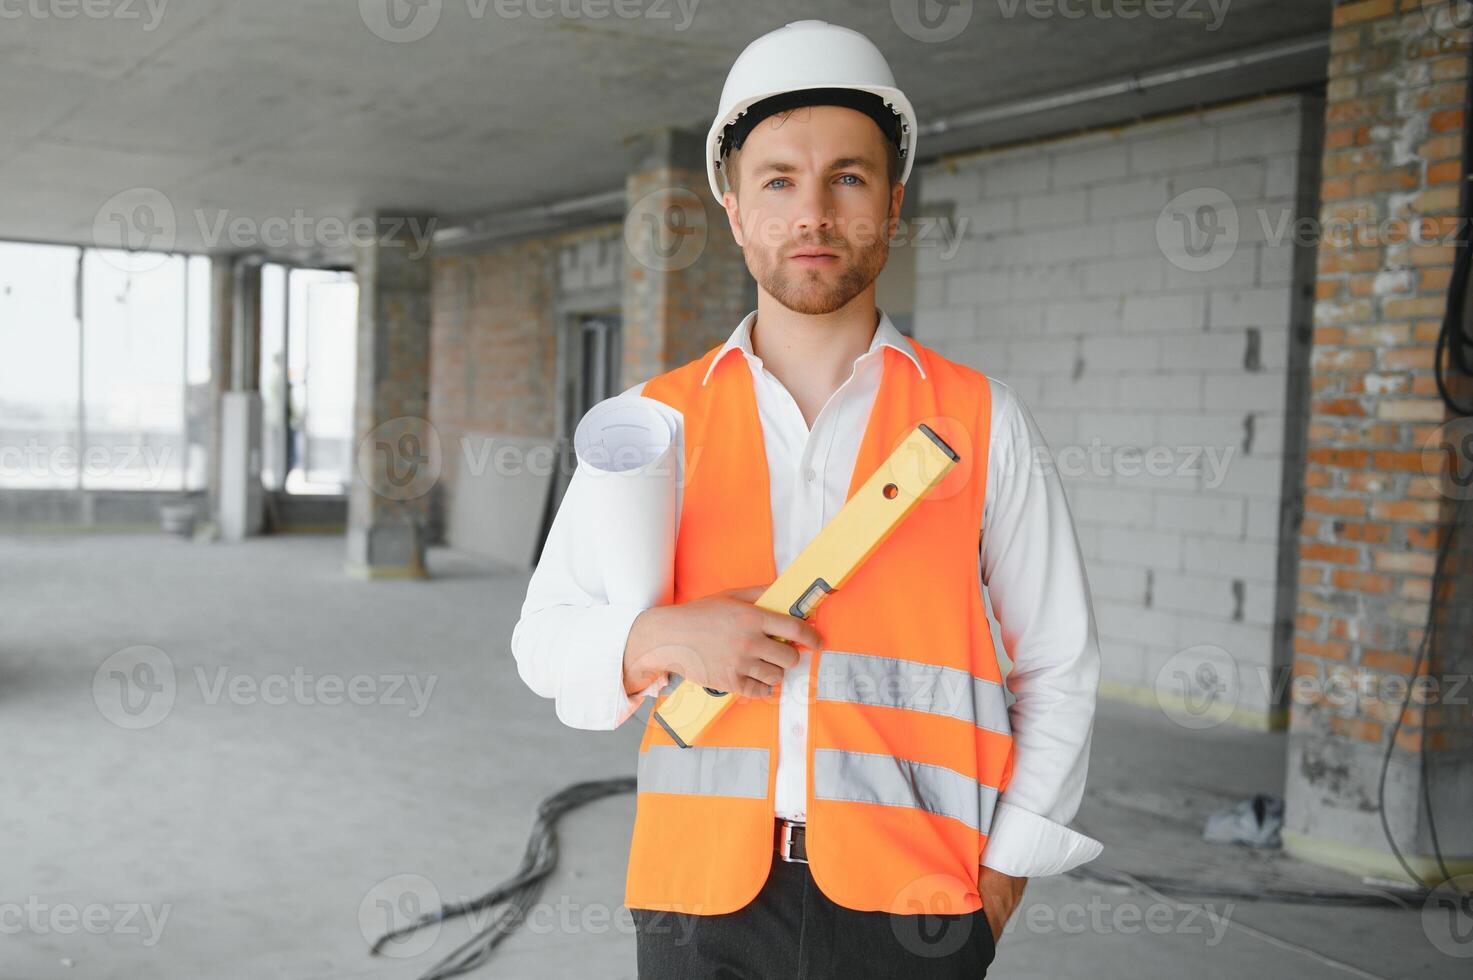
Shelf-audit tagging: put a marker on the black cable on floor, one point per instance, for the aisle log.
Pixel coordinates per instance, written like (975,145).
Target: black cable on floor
(519,893)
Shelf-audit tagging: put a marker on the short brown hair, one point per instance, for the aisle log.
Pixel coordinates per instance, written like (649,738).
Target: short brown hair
(892,158)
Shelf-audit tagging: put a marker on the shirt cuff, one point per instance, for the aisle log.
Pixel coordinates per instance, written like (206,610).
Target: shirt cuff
(592,695)
(1025,845)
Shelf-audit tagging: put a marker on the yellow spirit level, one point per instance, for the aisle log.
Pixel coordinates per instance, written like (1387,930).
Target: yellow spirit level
(864,522)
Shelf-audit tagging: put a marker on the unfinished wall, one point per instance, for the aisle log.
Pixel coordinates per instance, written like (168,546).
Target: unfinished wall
(1137,288)
(496,384)
(1374,516)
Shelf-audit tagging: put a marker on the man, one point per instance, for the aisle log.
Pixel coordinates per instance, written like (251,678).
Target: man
(869,804)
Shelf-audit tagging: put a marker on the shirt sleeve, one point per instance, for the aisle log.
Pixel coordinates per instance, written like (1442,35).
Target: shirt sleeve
(569,642)
(1036,580)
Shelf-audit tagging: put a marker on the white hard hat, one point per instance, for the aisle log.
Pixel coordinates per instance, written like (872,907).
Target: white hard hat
(808,54)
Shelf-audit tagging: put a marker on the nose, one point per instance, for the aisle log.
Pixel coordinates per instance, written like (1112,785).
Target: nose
(814,211)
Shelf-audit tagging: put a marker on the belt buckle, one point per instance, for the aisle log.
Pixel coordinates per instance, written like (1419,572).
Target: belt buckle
(785,850)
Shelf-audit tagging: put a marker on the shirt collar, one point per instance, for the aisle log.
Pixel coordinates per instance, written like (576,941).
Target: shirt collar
(886,335)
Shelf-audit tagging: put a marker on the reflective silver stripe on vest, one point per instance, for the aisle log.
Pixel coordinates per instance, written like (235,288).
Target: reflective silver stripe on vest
(867,777)
(707,770)
(864,678)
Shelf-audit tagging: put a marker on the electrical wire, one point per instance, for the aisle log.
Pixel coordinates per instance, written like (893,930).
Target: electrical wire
(517,894)
(1453,353)
(1438,577)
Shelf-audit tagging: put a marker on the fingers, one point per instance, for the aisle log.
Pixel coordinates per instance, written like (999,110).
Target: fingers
(777,652)
(767,673)
(750,688)
(791,628)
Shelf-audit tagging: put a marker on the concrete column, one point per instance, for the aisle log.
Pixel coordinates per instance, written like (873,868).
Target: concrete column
(1375,513)
(686,283)
(222,350)
(235,358)
(245,360)
(396,451)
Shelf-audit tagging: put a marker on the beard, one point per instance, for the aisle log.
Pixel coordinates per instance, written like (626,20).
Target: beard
(816,291)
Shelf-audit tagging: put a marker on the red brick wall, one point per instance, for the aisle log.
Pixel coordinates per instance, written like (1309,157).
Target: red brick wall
(1368,542)
(493,341)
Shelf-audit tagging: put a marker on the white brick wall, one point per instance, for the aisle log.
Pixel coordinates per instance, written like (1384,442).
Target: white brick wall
(1062,289)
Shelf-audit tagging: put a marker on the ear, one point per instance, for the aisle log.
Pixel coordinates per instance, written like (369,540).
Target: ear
(892,222)
(733,216)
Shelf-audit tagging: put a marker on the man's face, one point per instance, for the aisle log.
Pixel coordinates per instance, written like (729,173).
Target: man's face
(814,210)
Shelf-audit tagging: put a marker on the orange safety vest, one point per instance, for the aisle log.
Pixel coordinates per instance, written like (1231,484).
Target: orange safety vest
(908,738)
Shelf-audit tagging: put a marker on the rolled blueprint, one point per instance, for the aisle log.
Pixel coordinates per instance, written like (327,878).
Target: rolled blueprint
(626,448)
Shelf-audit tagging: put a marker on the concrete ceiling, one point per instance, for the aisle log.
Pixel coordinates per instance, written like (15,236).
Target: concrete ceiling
(301,110)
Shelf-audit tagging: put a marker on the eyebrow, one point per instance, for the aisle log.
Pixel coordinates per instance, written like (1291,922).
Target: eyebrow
(839,163)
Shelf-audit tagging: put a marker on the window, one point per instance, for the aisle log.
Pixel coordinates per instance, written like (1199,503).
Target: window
(39,380)
(322,350)
(104,368)
(133,371)
(105,371)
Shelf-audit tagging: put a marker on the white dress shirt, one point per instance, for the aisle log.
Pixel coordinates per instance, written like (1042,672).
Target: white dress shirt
(569,643)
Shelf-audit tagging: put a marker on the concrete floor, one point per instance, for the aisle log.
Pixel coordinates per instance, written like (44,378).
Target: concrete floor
(231,836)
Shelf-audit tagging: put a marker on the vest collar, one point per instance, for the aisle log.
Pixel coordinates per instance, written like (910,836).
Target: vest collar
(886,335)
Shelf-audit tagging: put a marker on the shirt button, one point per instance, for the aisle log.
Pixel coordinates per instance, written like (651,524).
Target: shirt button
(810,474)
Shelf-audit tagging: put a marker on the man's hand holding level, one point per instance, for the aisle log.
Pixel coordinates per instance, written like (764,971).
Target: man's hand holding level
(722,641)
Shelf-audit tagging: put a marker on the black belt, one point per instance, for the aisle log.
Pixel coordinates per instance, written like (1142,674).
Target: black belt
(788,839)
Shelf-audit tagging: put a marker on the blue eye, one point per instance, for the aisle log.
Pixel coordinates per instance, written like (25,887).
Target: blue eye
(774,181)
(857,178)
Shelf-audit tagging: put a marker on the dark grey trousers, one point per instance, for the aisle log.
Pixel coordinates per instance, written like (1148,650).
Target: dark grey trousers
(791,931)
